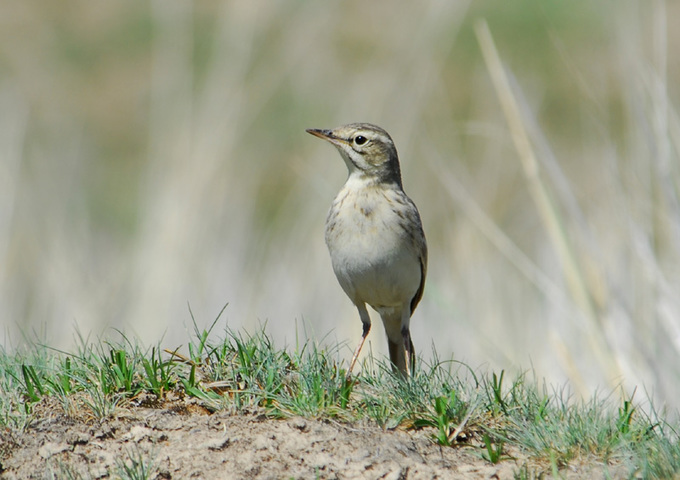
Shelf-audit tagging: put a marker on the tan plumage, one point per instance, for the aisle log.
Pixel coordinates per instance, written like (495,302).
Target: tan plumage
(375,237)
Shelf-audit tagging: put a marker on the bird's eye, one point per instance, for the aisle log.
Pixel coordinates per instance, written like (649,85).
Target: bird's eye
(360,139)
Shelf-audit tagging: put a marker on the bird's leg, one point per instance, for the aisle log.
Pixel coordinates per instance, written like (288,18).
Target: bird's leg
(409,354)
(366,323)
(408,350)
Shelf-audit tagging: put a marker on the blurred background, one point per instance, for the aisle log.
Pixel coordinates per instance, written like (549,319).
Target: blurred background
(153,158)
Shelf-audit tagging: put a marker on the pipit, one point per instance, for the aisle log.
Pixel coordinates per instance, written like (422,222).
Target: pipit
(375,238)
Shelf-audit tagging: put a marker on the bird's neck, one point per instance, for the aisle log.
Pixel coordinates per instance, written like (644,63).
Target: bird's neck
(359,179)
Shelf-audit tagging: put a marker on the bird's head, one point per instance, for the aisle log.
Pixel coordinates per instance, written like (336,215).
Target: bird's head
(367,149)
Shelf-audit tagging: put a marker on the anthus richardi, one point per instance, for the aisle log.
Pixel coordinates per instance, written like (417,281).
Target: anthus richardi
(375,238)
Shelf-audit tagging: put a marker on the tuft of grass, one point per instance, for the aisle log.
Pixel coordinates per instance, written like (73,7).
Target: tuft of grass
(62,472)
(246,373)
(494,451)
(446,413)
(135,465)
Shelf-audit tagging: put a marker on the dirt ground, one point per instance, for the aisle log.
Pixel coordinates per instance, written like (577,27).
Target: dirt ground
(184,440)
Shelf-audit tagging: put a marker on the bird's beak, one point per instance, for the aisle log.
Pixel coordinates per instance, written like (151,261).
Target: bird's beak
(326,135)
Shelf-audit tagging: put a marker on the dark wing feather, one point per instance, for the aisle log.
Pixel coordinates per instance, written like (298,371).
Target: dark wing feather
(423,271)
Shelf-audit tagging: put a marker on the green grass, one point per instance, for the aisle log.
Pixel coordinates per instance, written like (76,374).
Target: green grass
(458,406)
(136,466)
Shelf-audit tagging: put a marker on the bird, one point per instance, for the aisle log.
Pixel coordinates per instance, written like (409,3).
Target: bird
(375,238)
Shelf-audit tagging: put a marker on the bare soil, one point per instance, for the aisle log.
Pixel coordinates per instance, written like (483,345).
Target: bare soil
(182,439)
